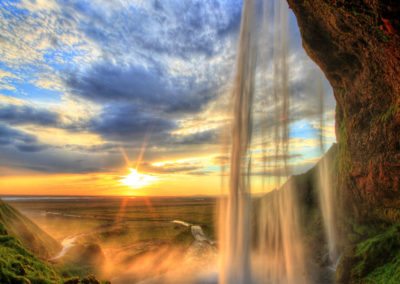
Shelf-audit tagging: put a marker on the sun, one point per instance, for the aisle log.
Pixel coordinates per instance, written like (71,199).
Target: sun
(137,180)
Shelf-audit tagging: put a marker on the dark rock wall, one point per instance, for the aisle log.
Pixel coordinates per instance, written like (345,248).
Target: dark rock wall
(357,45)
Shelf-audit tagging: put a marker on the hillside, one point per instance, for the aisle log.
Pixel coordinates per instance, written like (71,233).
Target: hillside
(18,265)
(28,233)
(24,250)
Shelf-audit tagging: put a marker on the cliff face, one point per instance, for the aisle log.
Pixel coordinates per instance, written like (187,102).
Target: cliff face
(357,45)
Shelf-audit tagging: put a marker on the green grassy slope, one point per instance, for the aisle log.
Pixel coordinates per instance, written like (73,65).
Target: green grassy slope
(28,233)
(18,265)
(24,248)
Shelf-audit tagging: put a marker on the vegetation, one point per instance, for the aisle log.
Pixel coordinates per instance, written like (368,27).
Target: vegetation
(132,229)
(22,262)
(17,265)
(373,255)
(28,233)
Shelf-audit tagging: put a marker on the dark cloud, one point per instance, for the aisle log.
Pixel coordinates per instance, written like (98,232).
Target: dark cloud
(52,160)
(45,166)
(31,147)
(179,28)
(134,80)
(10,135)
(98,148)
(105,82)
(23,114)
(22,141)
(140,86)
(204,137)
(127,122)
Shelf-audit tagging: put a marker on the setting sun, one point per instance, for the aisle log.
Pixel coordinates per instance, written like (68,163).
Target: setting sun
(137,180)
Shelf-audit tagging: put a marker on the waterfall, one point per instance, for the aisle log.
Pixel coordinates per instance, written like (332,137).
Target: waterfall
(280,253)
(327,201)
(277,254)
(325,183)
(236,267)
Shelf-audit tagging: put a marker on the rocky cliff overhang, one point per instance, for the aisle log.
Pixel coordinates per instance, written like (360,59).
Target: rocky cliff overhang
(357,45)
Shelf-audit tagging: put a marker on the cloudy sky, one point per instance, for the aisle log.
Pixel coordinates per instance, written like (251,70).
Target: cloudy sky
(89,89)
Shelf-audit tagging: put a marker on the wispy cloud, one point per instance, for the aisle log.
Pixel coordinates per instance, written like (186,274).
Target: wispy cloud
(80,80)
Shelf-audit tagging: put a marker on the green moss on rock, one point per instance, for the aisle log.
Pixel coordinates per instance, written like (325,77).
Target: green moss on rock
(375,259)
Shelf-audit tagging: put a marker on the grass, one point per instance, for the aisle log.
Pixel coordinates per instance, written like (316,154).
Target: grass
(27,232)
(23,248)
(126,229)
(388,273)
(118,222)
(378,258)
(73,271)
(17,265)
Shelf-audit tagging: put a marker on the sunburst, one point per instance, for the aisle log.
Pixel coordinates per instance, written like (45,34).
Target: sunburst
(137,180)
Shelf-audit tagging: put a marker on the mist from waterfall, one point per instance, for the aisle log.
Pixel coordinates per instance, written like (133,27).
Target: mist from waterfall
(261,241)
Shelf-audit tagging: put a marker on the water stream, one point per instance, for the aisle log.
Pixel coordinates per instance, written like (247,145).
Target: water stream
(67,244)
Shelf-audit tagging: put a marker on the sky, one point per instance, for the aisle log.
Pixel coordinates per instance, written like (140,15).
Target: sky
(90,89)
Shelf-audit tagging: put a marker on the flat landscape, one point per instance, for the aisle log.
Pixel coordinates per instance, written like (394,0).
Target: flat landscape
(120,232)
